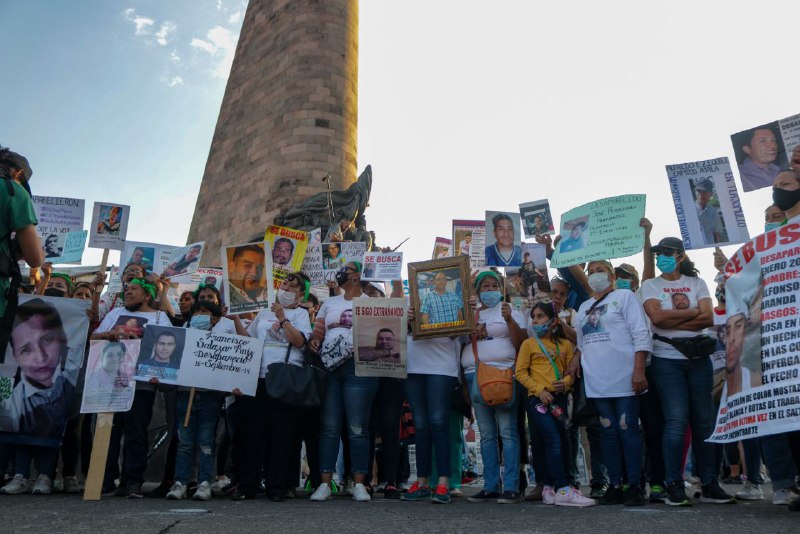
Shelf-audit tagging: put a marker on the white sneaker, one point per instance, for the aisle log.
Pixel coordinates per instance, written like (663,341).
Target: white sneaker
(177,492)
(782,496)
(220,483)
(71,485)
(322,494)
(567,496)
(360,493)
(548,495)
(750,492)
(43,486)
(18,485)
(203,492)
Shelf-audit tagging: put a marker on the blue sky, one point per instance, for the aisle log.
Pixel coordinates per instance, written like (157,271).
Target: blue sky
(464,106)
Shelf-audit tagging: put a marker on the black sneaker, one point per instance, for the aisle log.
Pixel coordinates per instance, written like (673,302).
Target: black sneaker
(135,491)
(276,495)
(794,506)
(598,490)
(161,490)
(231,488)
(391,492)
(613,495)
(485,496)
(715,495)
(509,497)
(634,496)
(240,496)
(676,494)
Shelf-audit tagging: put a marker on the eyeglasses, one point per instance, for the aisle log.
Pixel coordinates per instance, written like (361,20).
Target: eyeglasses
(668,252)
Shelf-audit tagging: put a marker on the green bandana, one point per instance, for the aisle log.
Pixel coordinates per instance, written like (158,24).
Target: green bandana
(63,276)
(150,288)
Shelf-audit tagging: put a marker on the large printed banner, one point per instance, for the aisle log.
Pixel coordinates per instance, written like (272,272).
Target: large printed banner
(601,230)
(707,203)
(379,336)
(762,152)
(336,254)
(177,262)
(109,225)
(469,238)
(382,266)
(58,217)
(109,385)
(288,251)
(247,277)
(199,358)
(761,394)
(39,371)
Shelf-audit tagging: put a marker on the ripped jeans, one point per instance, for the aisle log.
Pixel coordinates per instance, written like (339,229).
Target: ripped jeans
(197,436)
(621,438)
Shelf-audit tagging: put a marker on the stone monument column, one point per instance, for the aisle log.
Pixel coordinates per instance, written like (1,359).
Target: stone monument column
(288,118)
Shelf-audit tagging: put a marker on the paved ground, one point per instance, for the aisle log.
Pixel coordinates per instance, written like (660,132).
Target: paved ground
(67,514)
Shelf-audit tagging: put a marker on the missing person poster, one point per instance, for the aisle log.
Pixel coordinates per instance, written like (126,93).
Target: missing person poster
(199,358)
(336,254)
(707,203)
(209,276)
(503,242)
(247,277)
(288,251)
(536,218)
(181,262)
(109,225)
(530,280)
(72,249)
(40,369)
(601,230)
(58,216)
(312,262)
(379,336)
(110,367)
(469,239)
(442,248)
(382,266)
(177,262)
(763,151)
(761,393)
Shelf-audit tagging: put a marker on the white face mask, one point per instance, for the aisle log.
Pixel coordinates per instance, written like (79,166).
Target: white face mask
(286,298)
(599,282)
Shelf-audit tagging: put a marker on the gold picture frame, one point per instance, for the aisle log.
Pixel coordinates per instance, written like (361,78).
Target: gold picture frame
(441,303)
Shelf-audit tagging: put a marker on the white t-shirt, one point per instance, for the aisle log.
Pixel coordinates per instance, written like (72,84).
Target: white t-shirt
(436,356)
(496,349)
(608,340)
(667,292)
(337,347)
(275,342)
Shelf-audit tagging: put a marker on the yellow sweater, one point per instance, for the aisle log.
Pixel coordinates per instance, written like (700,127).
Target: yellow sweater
(533,368)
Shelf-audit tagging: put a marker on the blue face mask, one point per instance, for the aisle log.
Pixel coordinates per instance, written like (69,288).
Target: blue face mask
(541,329)
(666,264)
(623,284)
(772,225)
(200,322)
(491,299)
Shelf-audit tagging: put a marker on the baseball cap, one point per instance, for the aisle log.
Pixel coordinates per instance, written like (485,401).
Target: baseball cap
(668,243)
(704,185)
(19,161)
(629,269)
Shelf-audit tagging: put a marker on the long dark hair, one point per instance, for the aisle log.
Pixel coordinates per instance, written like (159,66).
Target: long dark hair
(687,267)
(549,309)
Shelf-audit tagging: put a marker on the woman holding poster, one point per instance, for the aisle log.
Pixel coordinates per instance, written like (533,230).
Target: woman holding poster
(346,395)
(680,309)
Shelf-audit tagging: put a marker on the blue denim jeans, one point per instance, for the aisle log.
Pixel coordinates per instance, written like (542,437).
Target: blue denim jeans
(779,460)
(494,420)
(196,439)
(430,397)
(684,387)
(553,441)
(346,396)
(44,457)
(621,437)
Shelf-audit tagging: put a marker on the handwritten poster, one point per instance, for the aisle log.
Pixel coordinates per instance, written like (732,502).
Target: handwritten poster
(58,216)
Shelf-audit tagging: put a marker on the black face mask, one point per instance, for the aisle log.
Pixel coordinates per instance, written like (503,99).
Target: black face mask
(342,277)
(54,292)
(784,199)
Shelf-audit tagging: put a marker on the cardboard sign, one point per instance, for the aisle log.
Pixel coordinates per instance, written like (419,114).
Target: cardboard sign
(57,218)
(109,225)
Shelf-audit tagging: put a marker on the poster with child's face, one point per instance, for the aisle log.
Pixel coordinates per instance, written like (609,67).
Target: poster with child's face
(109,226)
(503,242)
(110,368)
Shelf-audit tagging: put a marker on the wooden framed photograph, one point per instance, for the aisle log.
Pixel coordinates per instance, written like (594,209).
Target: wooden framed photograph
(440,291)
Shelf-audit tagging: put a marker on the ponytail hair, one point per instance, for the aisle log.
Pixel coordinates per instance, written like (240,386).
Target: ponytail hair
(687,267)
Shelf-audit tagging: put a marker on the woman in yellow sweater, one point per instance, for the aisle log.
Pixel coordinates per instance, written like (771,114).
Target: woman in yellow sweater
(540,368)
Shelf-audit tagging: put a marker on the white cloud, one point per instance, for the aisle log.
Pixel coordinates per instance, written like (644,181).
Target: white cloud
(177,80)
(163,33)
(221,44)
(219,4)
(174,57)
(236,17)
(142,23)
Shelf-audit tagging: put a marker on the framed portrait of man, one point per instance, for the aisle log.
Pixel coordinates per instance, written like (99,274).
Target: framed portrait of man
(440,291)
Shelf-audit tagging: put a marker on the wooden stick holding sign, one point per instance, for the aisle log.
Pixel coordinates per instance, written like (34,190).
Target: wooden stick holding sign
(102,431)
(188,408)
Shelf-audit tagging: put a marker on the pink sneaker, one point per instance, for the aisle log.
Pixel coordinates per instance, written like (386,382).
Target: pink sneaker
(567,496)
(548,495)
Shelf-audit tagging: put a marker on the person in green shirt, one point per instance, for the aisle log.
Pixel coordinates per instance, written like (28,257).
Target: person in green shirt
(16,216)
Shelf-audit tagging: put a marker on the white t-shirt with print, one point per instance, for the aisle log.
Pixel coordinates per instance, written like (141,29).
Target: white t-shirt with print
(662,290)
(608,349)
(497,349)
(275,343)
(337,347)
